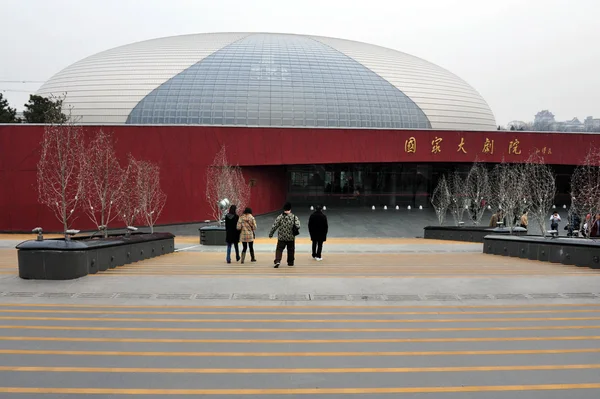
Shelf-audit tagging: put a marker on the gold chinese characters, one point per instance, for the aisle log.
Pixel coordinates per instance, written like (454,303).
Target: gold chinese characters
(513,147)
(410,145)
(488,146)
(435,145)
(461,146)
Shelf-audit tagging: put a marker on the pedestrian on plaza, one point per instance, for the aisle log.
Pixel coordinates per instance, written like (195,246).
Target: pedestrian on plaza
(587,225)
(247,227)
(232,234)
(554,219)
(287,226)
(524,219)
(595,231)
(317,228)
(496,217)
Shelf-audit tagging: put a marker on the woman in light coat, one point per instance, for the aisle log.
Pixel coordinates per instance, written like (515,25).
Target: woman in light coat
(247,226)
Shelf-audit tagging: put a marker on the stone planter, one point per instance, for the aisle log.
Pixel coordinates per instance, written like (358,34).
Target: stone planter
(212,235)
(567,251)
(58,259)
(467,233)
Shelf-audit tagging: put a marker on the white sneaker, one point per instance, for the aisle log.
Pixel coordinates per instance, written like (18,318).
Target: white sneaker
(319,259)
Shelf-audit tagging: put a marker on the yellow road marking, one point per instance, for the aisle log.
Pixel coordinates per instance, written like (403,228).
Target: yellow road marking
(166,329)
(131,312)
(294,354)
(297,391)
(233,320)
(295,371)
(298,341)
(494,306)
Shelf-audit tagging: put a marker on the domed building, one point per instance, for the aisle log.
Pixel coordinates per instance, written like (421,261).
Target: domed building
(267,80)
(311,120)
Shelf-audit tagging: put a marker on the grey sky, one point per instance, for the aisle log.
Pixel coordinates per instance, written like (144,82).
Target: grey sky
(521,55)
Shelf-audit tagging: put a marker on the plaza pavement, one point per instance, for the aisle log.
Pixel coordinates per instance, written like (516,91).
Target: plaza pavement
(377,318)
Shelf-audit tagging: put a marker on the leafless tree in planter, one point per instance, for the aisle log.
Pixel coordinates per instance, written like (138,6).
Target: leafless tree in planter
(103,179)
(128,205)
(541,189)
(440,199)
(459,198)
(585,186)
(225,181)
(59,177)
(508,190)
(151,198)
(478,191)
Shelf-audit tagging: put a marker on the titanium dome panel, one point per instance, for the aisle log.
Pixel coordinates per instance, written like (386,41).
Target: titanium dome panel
(279,80)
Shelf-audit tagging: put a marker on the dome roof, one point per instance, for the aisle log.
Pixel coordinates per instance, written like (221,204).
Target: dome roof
(263,79)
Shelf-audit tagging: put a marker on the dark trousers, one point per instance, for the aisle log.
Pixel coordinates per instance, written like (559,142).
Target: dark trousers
(291,249)
(317,247)
(245,246)
(237,251)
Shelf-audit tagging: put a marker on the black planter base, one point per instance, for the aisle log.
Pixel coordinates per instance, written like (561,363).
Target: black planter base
(468,233)
(212,235)
(57,259)
(567,251)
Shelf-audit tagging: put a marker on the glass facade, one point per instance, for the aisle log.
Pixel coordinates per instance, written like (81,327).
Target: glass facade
(279,80)
(379,184)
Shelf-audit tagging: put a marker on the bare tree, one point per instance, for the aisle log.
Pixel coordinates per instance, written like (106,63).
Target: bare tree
(478,190)
(459,198)
(225,181)
(59,177)
(585,186)
(103,180)
(440,199)
(541,189)
(508,190)
(128,206)
(151,198)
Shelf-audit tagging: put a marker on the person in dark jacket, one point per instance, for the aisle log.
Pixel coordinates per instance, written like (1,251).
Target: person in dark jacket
(232,234)
(317,228)
(595,230)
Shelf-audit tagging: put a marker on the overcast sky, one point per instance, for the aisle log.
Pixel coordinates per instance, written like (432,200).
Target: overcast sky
(521,55)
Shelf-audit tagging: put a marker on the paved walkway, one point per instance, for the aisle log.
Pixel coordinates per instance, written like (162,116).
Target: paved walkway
(377,318)
(448,352)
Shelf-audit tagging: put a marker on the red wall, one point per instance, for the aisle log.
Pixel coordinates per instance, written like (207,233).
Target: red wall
(184,152)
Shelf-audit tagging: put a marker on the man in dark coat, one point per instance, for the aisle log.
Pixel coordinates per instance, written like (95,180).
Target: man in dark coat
(232,234)
(317,228)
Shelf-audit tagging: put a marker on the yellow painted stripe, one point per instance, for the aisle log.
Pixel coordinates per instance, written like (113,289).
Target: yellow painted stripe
(335,330)
(295,371)
(233,320)
(297,391)
(492,306)
(297,341)
(375,313)
(294,354)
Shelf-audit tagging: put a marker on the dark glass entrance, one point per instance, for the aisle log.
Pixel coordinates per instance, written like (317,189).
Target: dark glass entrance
(382,184)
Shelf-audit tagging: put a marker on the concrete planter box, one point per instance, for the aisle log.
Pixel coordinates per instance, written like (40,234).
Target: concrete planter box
(467,233)
(57,259)
(567,251)
(212,235)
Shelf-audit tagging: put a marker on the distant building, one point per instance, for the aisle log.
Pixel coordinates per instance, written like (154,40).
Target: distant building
(591,124)
(573,125)
(543,120)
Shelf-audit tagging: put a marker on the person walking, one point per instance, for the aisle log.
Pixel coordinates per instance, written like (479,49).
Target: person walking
(287,226)
(232,234)
(247,226)
(554,219)
(317,228)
